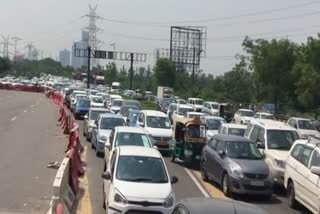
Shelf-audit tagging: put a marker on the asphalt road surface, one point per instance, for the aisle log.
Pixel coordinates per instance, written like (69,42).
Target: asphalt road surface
(188,186)
(29,139)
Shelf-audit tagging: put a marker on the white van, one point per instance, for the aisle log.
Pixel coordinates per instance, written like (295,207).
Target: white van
(115,87)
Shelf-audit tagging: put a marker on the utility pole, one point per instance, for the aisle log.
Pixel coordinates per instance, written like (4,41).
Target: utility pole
(114,49)
(194,62)
(88,73)
(6,43)
(131,69)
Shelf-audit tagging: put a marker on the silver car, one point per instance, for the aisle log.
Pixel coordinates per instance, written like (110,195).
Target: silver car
(89,119)
(236,164)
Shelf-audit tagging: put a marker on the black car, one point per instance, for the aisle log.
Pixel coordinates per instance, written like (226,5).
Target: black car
(215,206)
(67,99)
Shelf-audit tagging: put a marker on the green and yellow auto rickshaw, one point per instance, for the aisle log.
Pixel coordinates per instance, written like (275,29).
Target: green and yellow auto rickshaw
(189,137)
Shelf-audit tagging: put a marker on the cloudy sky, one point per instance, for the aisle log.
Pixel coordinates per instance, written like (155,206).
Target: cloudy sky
(143,25)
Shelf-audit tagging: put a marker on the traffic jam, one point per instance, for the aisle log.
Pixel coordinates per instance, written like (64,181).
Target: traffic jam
(243,151)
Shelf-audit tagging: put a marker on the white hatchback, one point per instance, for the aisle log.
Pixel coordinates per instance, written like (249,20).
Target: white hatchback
(137,181)
(301,177)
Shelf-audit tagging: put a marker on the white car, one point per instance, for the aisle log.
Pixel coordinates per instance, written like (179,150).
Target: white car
(182,101)
(157,125)
(193,114)
(116,105)
(243,116)
(213,123)
(196,103)
(182,110)
(232,129)
(96,101)
(89,118)
(274,139)
(263,115)
(74,100)
(302,174)
(111,97)
(137,181)
(304,126)
(126,136)
(92,92)
(211,108)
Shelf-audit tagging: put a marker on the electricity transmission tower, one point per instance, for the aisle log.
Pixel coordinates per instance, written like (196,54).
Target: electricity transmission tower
(93,29)
(5,43)
(30,47)
(15,39)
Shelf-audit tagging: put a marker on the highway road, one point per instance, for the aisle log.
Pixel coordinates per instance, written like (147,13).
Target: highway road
(29,139)
(189,185)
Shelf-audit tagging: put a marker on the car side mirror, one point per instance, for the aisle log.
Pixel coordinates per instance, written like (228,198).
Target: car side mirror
(222,153)
(141,124)
(174,180)
(315,170)
(260,145)
(85,117)
(106,176)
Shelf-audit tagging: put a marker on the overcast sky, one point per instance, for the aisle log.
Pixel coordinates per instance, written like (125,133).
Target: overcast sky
(54,24)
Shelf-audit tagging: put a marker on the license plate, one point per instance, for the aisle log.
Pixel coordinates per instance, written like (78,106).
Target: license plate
(162,143)
(257,183)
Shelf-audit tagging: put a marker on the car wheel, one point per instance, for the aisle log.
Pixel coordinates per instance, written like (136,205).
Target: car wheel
(204,175)
(225,185)
(291,196)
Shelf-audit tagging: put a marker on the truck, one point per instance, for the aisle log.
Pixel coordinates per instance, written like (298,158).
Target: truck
(164,92)
(115,87)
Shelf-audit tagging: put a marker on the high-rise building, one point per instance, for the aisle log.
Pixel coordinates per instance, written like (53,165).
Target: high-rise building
(78,62)
(64,58)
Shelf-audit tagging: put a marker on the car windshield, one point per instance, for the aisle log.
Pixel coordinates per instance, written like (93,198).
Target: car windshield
(196,131)
(306,124)
(141,169)
(132,139)
(133,103)
(198,102)
(94,114)
(265,116)
(111,123)
(158,122)
(243,150)
(236,131)
(213,124)
(93,92)
(182,111)
(215,106)
(117,103)
(124,111)
(281,139)
(83,103)
(172,108)
(97,99)
(246,113)
(166,102)
(183,102)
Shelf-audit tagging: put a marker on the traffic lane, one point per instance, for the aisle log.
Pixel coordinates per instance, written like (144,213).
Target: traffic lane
(15,103)
(277,205)
(185,188)
(31,141)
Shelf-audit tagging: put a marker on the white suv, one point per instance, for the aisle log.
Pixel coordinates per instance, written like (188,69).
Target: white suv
(274,139)
(211,108)
(304,126)
(196,103)
(302,174)
(243,116)
(137,181)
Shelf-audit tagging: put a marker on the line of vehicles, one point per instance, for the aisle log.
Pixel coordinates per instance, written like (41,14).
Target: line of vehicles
(245,152)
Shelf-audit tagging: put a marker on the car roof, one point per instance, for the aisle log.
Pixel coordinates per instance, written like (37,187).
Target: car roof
(115,96)
(221,206)
(272,124)
(154,113)
(99,109)
(110,115)
(118,99)
(138,151)
(185,106)
(130,129)
(131,101)
(234,126)
(214,117)
(195,113)
(96,96)
(263,113)
(193,98)
(173,104)
(78,91)
(231,138)
(244,109)
(211,102)
(299,118)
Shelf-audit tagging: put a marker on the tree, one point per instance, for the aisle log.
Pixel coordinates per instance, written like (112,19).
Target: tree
(5,65)
(164,71)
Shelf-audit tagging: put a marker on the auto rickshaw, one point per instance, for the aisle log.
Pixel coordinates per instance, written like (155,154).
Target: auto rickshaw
(189,137)
(226,111)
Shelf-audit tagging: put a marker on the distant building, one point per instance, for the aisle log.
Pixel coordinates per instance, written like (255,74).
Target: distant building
(64,58)
(78,62)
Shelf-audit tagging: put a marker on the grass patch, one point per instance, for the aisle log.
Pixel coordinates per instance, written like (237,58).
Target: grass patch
(146,105)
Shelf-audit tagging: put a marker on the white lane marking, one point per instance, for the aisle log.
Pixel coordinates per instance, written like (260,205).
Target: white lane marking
(25,111)
(202,190)
(13,119)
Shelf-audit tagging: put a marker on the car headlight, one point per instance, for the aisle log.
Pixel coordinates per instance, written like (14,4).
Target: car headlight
(119,198)
(280,163)
(169,202)
(236,170)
